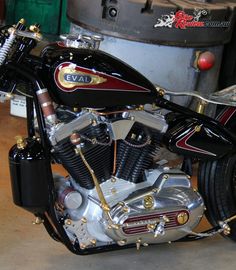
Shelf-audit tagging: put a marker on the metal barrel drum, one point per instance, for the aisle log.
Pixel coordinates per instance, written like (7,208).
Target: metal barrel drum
(161,39)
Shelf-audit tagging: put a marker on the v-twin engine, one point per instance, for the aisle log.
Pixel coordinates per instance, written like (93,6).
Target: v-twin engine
(116,193)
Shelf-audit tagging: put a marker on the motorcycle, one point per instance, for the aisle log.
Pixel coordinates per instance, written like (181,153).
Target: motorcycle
(105,123)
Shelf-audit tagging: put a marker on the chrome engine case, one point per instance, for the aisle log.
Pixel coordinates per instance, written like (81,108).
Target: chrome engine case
(163,208)
(164,212)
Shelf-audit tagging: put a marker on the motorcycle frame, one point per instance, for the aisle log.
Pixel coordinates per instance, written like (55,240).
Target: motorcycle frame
(53,227)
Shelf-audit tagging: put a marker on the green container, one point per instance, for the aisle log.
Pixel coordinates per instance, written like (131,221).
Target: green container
(64,23)
(44,12)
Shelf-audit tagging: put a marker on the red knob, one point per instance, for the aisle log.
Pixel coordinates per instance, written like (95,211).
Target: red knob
(206,60)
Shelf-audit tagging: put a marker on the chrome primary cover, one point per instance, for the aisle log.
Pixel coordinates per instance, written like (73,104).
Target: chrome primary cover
(161,213)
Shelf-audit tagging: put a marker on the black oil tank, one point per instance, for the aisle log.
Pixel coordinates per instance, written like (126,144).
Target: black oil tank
(30,172)
(92,78)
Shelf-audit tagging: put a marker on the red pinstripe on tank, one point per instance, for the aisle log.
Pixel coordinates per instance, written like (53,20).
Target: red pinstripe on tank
(111,83)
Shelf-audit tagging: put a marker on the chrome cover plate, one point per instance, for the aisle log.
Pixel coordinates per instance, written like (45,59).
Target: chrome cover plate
(64,130)
(171,194)
(118,129)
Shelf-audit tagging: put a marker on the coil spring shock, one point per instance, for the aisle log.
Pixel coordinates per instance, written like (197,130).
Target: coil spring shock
(4,50)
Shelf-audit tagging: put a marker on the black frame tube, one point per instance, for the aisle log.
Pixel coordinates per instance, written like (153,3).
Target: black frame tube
(30,116)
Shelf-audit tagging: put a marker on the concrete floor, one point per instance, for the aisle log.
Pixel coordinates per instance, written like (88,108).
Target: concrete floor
(26,246)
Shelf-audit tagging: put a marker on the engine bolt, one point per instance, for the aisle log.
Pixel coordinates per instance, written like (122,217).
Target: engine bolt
(121,203)
(161,92)
(121,242)
(225,227)
(93,241)
(166,176)
(166,219)
(68,222)
(145,244)
(113,179)
(82,246)
(197,128)
(227,232)
(94,122)
(113,191)
(84,220)
(151,227)
(138,244)
(125,209)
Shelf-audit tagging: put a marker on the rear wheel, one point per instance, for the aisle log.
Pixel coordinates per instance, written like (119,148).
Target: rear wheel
(217,185)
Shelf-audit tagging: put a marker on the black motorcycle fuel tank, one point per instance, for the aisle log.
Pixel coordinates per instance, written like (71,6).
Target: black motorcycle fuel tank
(92,78)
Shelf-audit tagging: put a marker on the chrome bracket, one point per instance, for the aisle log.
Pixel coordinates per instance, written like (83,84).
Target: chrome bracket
(226,96)
(82,41)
